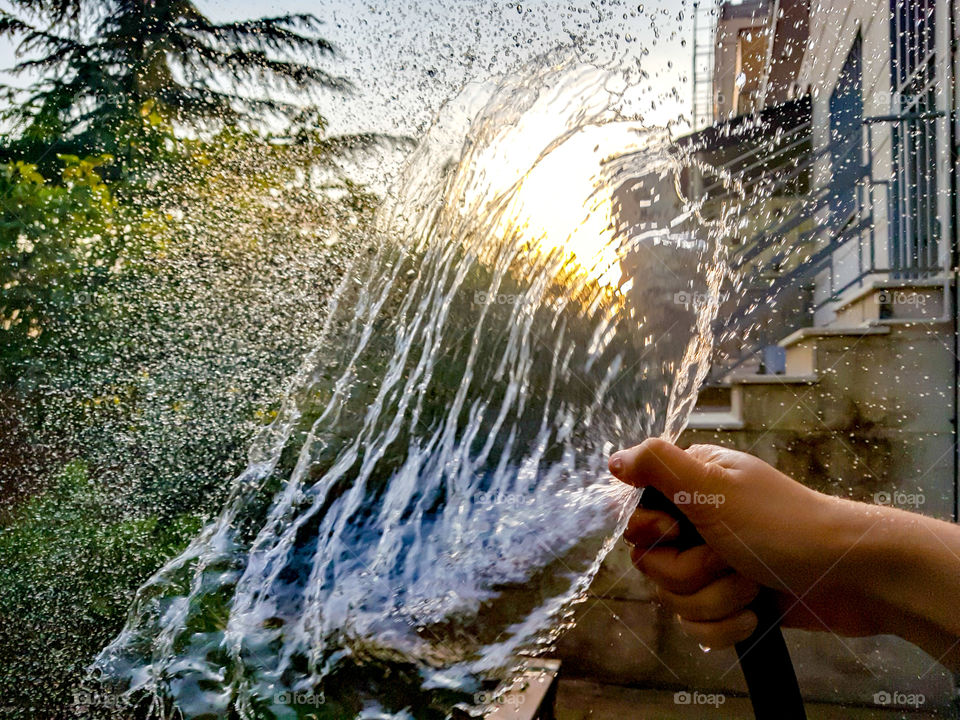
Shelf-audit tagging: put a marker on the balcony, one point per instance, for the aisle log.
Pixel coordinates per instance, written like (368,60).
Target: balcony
(797,249)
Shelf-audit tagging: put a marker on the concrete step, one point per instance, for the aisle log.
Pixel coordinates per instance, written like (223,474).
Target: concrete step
(895,299)
(742,407)
(802,345)
(906,350)
(718,407)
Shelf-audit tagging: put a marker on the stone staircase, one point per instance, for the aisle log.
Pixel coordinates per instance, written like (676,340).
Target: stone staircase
(865,405)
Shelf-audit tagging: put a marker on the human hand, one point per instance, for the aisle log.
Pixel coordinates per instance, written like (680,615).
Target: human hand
(761,528)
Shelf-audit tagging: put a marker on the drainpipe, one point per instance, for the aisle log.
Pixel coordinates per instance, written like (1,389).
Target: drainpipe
(953,117)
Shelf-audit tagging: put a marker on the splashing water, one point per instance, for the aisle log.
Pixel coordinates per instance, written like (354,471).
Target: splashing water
(432,497)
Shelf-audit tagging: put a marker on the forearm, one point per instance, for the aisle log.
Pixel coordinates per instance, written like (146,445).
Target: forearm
(911,564)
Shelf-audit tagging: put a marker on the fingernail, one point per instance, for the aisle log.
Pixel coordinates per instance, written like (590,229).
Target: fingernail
(616,463)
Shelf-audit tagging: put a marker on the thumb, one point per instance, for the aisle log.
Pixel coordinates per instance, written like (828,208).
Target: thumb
(666,467)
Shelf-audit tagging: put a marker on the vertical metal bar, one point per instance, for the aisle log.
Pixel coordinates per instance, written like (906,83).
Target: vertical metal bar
(895,232)
(873,203)
(910,194)
(903,183)
(923,201)
(953,242)
(902,13)
(694,104)
(912,159)
(943,141)
(915,34)
(898,43)
(933,198)
(873,232)
(833,278)
(905,199)
(901,200)
(860,206)
(924,75)
(930,132)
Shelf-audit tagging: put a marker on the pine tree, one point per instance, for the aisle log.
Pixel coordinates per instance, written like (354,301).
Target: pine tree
(106,67)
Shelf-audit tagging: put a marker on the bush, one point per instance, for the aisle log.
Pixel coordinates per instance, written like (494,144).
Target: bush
(69,565)
(157,319)
(58,242)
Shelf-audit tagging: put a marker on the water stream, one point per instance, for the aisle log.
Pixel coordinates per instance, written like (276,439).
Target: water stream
(432,498)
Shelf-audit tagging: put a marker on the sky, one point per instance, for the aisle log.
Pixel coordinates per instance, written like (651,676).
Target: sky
(406,58)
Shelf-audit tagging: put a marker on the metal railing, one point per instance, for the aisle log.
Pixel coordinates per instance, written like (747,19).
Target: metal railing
(807,246)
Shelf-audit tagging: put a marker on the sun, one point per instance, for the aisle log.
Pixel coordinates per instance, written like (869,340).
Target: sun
(565,204)
(543,176)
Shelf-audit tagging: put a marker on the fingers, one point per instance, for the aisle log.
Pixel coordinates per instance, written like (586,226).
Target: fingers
(720,599)
(665,466)
(710,599)
(647,528)
(722,633)
(682,573)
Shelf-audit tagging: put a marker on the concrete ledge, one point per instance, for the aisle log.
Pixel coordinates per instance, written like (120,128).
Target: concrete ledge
(872,287)
(714,421)
(817,332)
(775,380)
(910,322)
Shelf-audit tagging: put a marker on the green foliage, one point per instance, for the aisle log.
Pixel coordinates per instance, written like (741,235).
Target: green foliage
(153,301)
(58,242)
(157,352)
(70,562)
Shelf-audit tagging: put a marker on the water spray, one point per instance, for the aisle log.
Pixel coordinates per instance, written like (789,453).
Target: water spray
(432,499)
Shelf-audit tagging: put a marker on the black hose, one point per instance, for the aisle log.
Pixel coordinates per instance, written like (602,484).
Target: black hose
(764,659)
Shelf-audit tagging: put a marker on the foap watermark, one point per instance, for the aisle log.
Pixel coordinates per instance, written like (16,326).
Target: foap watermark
(898,102)
(685,697)
(491,500)
(898,498)
(690,299)
(85,297)
(698,498)
(300,698)
(899,699)
(480,297)
(901,297)
(84,700)
(507,698)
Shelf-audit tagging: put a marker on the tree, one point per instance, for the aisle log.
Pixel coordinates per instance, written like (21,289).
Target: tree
(115,72)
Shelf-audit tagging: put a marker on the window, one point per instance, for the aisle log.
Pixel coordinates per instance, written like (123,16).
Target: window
(846,137)
(914,229)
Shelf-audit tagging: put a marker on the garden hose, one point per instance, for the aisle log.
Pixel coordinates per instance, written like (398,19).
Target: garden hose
(764,658)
